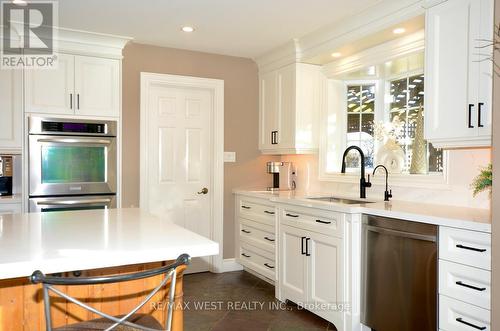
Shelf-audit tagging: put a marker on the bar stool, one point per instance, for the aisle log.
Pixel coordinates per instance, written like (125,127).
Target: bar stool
(128,322)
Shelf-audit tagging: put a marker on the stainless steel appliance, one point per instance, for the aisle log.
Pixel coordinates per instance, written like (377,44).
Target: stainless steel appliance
(6,170)
(399,272)
(70,158)
(72,203)
(283,176)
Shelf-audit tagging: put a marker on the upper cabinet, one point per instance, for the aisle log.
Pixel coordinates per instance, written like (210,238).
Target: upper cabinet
(11,110)
(80,85)
(290,99)
(459,73)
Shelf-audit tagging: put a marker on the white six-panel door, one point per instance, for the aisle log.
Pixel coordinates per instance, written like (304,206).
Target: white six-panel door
(179,164)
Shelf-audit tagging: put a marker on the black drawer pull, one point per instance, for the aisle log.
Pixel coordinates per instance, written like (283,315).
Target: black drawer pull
(482,250)
(245,255)
(269,212)
(459,283)
(246,231)
(479,108)
(269,239)
(461,320)
(302,246)
(292,215)
(269,266)
(323,222)
(246,207)
(307,247)
(470,116)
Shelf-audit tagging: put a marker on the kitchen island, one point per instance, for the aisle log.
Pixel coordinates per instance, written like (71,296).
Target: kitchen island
(96,242)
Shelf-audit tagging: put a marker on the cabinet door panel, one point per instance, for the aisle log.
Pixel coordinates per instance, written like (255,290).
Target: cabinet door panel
(10,208)
(268,109)
(50,90)
(286,106)
(11,109)
(293,264)
(451,70)
(97,86)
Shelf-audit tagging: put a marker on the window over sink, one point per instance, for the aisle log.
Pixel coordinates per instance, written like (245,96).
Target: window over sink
(380,108)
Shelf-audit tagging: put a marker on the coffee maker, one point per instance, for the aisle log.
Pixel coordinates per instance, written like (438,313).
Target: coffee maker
(6,165)
(283,176)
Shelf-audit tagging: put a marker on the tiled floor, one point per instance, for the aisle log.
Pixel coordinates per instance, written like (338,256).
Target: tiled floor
(240,301)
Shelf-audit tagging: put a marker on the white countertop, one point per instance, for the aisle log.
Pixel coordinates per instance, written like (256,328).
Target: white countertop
(452,216)
(81,240)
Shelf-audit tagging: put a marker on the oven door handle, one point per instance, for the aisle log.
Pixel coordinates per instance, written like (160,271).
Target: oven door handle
(75,141)
(72,202)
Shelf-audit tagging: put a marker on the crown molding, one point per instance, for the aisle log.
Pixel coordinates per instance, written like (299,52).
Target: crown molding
(376,18)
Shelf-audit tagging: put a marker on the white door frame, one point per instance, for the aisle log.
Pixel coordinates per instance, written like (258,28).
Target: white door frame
(216,88)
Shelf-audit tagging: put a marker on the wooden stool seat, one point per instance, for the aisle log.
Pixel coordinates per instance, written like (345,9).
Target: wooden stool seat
(103,323)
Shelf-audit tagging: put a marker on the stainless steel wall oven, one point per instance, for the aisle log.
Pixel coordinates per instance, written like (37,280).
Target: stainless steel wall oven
(69,157)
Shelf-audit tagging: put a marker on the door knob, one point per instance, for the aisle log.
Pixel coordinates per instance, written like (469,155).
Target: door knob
(203,191)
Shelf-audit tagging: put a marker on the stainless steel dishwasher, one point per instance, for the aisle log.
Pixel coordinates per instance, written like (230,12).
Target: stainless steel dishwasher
(399,275)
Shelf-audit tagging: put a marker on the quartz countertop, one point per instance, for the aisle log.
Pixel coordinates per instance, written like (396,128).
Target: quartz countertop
(92,239)
(443,215)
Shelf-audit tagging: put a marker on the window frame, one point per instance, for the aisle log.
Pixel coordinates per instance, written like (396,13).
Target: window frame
(331,116)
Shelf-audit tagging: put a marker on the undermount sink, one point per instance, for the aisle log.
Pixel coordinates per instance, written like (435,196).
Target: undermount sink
(341,200)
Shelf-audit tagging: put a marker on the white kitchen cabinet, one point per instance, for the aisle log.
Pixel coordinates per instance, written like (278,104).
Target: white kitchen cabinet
(459,73)
(51,91)
(97,86)
(11,111)
(293,264)
(80,85)
(290,101)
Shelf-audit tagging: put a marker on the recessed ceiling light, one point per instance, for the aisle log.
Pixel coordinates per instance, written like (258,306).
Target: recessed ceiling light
(19,2)
(336,54)
(399,30)
(187,29)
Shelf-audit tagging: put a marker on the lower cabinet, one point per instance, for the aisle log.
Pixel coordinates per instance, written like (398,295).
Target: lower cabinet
(311,273)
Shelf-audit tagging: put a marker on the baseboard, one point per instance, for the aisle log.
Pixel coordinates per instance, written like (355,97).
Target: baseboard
(231,265)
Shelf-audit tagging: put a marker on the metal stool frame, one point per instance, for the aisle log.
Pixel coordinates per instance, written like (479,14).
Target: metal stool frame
(169,271)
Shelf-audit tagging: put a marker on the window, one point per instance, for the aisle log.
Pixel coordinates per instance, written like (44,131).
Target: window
(387,124)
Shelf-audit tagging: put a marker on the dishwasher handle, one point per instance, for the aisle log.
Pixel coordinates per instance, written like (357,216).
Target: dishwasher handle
(402,234)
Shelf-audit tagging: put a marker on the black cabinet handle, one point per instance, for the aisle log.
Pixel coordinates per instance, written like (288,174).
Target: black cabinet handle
(323,222)
(78,101)
(470,116)
(246,207)
(245,255)
(246,231)
(269,266)
(481,289)
(481,250)
(479,108)
(461,320)
(274,137)
(269,239)
(291,215)
(269,212)
(302,246)
(71,101)
(307,247)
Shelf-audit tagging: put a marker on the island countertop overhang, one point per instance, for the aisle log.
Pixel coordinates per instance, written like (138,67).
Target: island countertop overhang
(93,239)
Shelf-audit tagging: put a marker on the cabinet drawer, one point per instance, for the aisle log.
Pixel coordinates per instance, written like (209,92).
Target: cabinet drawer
(257,260)
(326,222)
(465,247)
(465,283)
(258,234)
(456,315)
(257,210)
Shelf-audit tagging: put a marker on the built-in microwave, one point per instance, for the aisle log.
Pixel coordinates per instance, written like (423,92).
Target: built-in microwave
(71,157)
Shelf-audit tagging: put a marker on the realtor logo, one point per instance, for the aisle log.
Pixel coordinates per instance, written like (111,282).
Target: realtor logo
(28,34)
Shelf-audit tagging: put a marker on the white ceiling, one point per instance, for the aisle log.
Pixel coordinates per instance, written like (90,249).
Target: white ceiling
(246,28)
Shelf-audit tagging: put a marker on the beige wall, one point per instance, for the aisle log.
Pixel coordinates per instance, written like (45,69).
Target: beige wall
(240,120)
(495,312)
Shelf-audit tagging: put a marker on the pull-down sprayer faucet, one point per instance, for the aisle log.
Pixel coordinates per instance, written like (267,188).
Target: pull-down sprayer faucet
(363,184)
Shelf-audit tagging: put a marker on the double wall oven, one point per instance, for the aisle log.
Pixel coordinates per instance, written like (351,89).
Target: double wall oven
(72,164)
